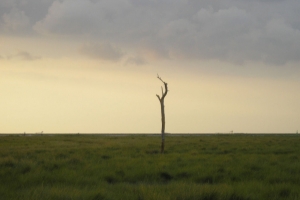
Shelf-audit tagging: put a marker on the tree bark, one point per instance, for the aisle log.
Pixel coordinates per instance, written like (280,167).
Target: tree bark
(163,123)
(162,107)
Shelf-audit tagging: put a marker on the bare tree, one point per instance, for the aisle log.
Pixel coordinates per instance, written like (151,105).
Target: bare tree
(162,107)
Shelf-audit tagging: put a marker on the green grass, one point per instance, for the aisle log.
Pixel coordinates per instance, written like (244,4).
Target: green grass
(225,167)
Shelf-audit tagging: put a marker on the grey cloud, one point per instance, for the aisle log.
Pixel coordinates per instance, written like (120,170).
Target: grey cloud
(66,18)
(18,16)
(14,20)
(229,30)
(104,51)
(137,60)
(78,17)
(23,55)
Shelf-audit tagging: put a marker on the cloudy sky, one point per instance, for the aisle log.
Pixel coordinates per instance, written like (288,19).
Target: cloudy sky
(91,66)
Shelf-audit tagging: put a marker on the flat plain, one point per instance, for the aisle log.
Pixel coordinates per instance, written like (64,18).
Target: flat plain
(216,166)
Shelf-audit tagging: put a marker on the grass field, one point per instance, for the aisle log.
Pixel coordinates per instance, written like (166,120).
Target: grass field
(232,167)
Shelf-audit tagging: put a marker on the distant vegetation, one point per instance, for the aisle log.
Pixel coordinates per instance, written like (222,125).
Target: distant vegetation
(224,167)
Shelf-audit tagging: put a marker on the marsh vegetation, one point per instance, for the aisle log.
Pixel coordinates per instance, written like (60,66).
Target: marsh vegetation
(232,167)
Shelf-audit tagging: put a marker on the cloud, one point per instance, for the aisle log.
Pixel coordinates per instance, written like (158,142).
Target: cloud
(23,55)
(135,60)
(18,16)
(104,51)
(15,20)
(227,30)
(65,18)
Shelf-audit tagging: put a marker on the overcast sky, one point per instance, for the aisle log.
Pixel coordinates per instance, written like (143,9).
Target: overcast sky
(91,65)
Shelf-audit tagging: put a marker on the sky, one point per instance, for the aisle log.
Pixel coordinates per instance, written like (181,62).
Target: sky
(90,66)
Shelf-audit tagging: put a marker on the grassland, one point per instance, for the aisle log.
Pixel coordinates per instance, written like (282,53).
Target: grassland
(229,167)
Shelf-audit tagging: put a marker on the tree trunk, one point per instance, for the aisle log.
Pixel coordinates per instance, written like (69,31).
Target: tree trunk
(162,107)
(163,122)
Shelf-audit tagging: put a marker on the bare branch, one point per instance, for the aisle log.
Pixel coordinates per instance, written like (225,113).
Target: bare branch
(166,90)
(158,97)
(160,79)
(164,93)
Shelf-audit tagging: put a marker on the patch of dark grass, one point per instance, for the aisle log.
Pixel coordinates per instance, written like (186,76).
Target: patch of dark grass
(183,175)
(9,163)
(24,169)
(105,157)
(152,152)
(98,196)
(165,176)
(61,156)
(208,179)
(235,196)
(275,180)
(74,161)
(221,170)
(284,192)
(120,173)
(110,179)
(284,152)
(38,151)
(255,168)
(235,178)
(209,196)
(52,166)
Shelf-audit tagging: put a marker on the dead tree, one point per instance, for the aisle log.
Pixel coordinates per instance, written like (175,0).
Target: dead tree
(162,107)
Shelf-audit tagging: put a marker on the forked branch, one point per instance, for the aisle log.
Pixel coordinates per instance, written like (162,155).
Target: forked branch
(163,93)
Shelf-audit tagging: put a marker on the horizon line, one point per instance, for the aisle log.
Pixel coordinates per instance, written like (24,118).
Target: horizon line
(87,133)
